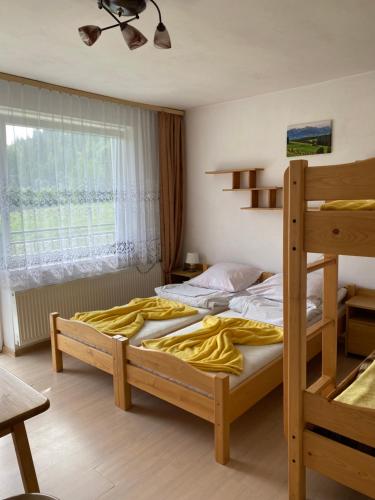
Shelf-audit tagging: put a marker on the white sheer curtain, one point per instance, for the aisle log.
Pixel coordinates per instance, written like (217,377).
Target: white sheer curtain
(79,186)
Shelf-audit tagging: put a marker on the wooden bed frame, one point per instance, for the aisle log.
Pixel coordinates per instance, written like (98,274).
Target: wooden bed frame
(312,418)
(202,393)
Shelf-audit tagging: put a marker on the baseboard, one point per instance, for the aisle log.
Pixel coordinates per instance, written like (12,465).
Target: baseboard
(8,351)
(20,351)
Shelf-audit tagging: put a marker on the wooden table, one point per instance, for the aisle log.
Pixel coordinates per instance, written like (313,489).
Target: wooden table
(19,402)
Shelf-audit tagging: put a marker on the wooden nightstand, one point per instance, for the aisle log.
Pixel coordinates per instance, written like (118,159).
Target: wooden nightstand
(180,275)
(360,325)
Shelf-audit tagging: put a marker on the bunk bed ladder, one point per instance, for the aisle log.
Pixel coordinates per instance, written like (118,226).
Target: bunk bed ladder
(329,331)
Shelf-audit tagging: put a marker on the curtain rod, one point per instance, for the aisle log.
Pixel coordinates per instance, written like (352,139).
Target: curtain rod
(68,90)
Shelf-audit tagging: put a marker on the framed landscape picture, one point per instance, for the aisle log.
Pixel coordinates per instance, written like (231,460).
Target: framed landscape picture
(313,138)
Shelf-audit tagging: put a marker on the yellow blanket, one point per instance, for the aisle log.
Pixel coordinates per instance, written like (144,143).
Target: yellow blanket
(212,347)
(128,320)
(362,391)
(349,205)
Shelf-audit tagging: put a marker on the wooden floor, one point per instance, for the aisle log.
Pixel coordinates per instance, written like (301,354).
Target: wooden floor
(84,448)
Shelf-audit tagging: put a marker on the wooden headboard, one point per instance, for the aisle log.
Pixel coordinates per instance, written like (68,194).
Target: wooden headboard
(265,275)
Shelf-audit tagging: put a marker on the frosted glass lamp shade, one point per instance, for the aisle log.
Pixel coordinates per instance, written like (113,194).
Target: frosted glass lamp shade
(192,260)
(133,37)
(162,39)
(89,34)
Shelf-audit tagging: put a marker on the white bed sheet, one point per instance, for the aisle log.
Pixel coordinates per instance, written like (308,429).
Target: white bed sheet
(153,329)
(261,308)
(255,357)
(196,296)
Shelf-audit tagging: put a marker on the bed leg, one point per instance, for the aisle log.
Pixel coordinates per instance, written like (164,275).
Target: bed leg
(57,361)
(121,387)
(222,424)
(297,486)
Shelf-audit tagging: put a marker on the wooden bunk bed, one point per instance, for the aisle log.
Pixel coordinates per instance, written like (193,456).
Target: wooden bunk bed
(331,437)
(204,394)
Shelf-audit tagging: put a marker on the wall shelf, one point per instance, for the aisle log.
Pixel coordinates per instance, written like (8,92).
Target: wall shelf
(245,179)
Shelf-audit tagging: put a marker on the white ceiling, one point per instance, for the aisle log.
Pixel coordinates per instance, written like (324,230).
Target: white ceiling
(222,49)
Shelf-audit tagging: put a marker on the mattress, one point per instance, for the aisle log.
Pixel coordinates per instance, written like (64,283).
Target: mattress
(261,308)
(153,329)
(255,357)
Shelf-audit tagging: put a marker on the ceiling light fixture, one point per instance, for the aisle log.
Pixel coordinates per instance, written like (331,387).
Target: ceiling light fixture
(134,38)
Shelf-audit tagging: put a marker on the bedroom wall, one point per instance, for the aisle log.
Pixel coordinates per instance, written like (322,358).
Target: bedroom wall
(252,132)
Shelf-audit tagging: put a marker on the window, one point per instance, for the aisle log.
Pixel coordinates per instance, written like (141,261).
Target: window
(78,196)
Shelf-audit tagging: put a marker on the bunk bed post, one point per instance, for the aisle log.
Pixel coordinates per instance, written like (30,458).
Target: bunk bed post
(285,302)
(121,387)
(57,361)
(296,326)
(329,332)
(221,418)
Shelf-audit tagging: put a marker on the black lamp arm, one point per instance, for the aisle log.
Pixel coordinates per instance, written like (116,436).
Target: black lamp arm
(110,13)
(121,24)
(157,8)
(109,27)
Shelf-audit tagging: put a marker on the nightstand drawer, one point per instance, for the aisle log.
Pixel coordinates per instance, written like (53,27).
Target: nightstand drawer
(360,337)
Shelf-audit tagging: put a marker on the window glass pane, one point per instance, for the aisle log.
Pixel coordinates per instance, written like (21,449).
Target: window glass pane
(60,189)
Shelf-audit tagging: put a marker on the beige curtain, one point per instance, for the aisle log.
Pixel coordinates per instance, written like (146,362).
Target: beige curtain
(172,174)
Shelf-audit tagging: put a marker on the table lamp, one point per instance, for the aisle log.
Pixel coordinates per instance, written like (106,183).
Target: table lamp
(192,261)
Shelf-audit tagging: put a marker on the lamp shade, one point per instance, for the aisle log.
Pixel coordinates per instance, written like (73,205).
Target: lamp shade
(133,37)
(192,258)
(89,34)
(162,39)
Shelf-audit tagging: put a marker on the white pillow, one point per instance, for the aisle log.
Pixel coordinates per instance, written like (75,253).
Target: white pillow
(272,288)
(227,276)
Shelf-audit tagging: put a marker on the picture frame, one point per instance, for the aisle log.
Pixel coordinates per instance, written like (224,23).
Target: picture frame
(311,138)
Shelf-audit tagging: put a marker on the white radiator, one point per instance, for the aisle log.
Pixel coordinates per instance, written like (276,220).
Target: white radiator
(31,308)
